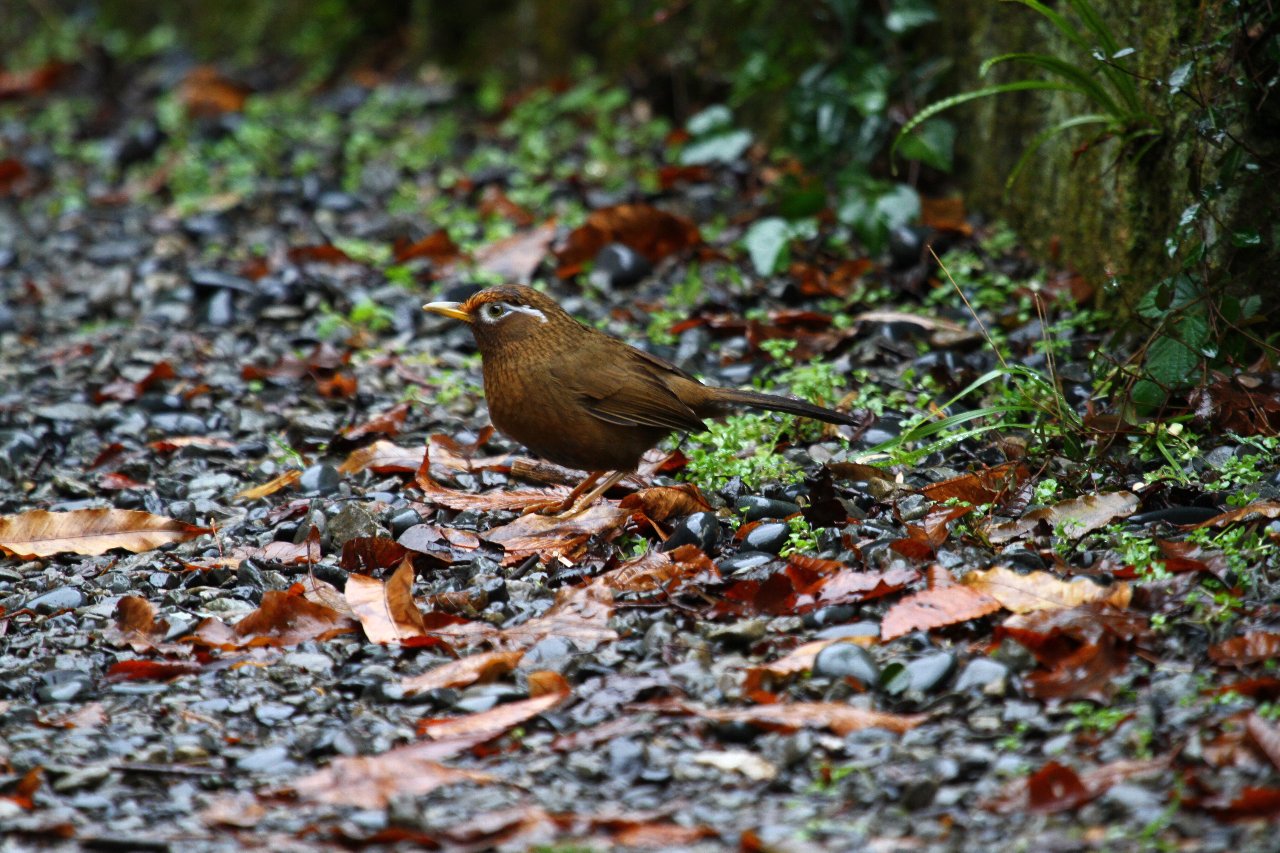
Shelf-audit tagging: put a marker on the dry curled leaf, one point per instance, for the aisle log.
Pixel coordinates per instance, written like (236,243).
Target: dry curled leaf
(839,717)
(1024,593)
(40,533)
(1074,518)
(387,611)
(478,668)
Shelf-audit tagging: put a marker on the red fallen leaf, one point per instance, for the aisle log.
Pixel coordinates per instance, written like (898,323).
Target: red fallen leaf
(1265,689)
(517,257)
(16,180)
(550,537)
(495,721)
(945,214)
(387,612)
(1087,673)
(321,362)
(660,503)
(935,608)
(24,792)
(1245,403)
(33,81)
(651,232)
(447,544)
(1255,511)
(388,423)
(136,624)
(479,668)
(89,532)
(923,540)
(1253,647)
(1042,631)
(108,455)
(1251,803)
(206,93)
(1266,736)
(322,253)
(115,481)
(369,553)
(125,391)
(667,571)
(283,619)
(1056,788)
(150,670)
(979,487)
(839,717)
(494,202)
(339,386)
(671,175)
(383,457)
(177,442)
(438,247)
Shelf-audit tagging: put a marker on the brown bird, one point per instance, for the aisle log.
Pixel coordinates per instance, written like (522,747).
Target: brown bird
(580,398)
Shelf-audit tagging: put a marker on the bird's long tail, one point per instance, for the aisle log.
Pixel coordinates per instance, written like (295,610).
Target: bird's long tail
(776,403)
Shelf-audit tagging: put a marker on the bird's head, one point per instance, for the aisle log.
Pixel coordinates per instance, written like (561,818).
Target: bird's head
(505,314)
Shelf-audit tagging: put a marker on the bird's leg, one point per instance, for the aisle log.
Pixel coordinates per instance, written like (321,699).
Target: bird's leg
(557,507)
(612,480)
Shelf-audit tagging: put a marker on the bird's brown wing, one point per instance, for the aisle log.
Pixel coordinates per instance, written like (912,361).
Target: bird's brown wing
(628,392)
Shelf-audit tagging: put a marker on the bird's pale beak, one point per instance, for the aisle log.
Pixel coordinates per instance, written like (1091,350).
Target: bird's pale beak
(448,309)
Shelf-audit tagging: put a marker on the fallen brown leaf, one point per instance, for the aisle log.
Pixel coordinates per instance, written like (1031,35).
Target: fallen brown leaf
(387,611)
(495,721)
(89,532)
(550,537)
(1024,593)
(283,619)
(662,570)
(1074,518)
(935,608)
(840,718)
(478,668)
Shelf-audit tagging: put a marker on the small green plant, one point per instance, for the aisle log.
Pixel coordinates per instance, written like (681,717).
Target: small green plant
(1046,491)
(739,446)
(1092,718)
(802,538)
(1097,73)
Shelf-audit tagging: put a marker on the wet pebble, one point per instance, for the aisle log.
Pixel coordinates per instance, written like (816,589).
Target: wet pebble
(985,675)
(402,520)
(619,265)
(738,634)
(701,529)
(59,598)
(927,672)
(178,423)
(756,507)
(548,653)
(64,685)
(743,562)
(768,537)
(353,521)
(272,760)
(626,759)
(270,713)
(322,479)
(847,660)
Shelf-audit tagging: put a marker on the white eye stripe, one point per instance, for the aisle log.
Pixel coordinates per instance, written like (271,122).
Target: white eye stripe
(503,308)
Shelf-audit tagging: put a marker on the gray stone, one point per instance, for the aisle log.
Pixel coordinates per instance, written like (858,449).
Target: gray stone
(847,660)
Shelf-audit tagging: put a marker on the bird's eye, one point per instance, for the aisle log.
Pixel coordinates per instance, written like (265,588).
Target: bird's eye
(493,310)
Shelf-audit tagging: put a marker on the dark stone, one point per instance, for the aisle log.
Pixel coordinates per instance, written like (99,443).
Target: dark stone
(768,537)
(60,598)
(847,660)
(926,673)
(64,685)
(338,202)
(620,266)
(403,520)
(743,562)
(208,282)
(984,675)
(756,507)
(626,759)
(906,246)
(322,479)
(701,529)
